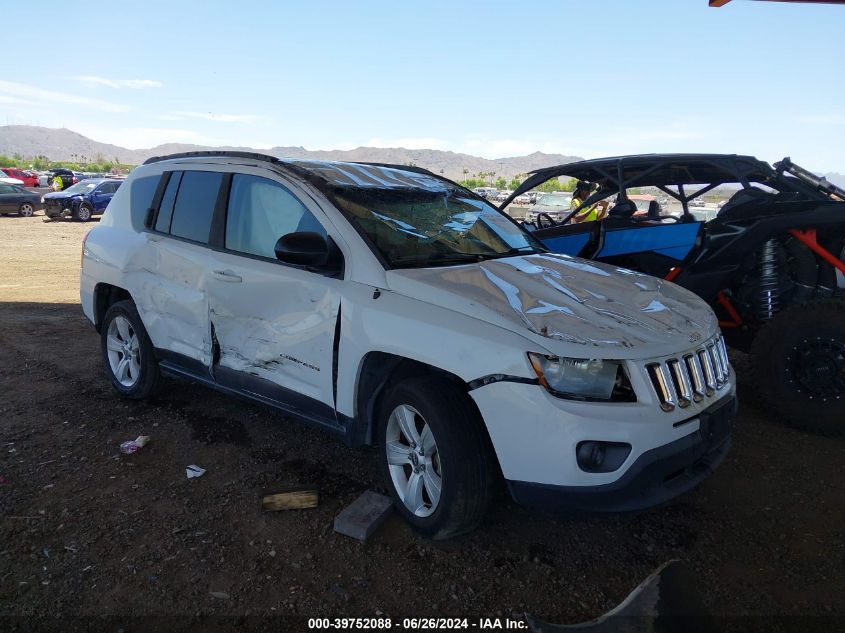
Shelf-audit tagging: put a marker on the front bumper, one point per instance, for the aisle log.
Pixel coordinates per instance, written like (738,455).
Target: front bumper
(55,207)
(656,476)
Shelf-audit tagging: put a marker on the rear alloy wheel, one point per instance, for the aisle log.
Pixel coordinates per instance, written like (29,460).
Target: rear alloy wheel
(123,351)
(128,352)
(83,213)
(799,365)
(435,456)
(27,210)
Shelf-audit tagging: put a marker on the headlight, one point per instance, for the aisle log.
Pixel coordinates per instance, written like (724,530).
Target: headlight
(583,378)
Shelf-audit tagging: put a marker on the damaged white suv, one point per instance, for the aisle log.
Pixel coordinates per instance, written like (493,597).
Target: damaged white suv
(393,307)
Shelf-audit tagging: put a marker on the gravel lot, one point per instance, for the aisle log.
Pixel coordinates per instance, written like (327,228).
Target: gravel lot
(87,531)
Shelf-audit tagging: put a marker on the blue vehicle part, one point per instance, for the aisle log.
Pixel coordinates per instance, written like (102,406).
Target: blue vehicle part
(672,240)
(567,244)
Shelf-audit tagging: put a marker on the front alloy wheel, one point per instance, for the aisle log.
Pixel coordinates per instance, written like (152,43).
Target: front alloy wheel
(413,460)
(435,456)
(83,213)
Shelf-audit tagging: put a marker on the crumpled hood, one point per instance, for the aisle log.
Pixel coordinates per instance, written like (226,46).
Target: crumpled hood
(57,195)
(564,300)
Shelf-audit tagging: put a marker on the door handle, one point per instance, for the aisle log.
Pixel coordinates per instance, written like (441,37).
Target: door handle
(226,275)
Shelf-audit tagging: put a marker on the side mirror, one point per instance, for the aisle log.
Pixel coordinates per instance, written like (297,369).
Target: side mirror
(306,248)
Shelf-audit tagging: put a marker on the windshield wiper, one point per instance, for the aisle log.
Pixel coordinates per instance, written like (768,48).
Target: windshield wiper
(520,250)
(437,258)
(455,257)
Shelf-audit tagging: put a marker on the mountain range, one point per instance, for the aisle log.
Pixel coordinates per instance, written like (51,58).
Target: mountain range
(61,144)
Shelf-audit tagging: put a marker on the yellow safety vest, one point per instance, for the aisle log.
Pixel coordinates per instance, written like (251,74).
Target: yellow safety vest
(592,213)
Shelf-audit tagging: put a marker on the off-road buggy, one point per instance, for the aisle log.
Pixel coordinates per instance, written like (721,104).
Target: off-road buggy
(770,261)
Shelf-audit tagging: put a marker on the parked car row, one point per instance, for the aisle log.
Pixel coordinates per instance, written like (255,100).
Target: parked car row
(81,201)
(494,195)
(58,178)
(26,178)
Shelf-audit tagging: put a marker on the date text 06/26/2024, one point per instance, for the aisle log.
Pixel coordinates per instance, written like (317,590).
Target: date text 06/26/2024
(417,624)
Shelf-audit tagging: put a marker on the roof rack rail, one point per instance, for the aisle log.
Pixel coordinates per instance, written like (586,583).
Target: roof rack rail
(213,154)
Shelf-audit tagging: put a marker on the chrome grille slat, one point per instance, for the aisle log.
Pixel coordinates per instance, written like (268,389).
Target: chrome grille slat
(718,373)
(709,373)
(681,382)
(663,385)
(696,375)
(723,354)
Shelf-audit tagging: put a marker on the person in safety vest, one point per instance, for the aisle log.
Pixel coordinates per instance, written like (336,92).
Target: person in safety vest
(595,211)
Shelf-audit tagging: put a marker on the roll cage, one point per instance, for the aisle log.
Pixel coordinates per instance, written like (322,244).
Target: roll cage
(703,172)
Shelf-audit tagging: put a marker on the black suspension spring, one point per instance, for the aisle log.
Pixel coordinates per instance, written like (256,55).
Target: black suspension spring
(769,298)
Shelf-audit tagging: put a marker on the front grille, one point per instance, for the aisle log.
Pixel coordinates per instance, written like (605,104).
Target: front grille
(690,377)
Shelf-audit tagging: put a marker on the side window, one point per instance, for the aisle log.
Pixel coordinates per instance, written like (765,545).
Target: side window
(260,212)
(194,208)
(6,189)
(141,193)
(107,188)
(165,209)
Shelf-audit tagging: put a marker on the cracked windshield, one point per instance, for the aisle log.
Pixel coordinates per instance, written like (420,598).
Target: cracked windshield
(418,227)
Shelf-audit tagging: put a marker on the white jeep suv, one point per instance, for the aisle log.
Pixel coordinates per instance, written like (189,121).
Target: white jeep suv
(393,307)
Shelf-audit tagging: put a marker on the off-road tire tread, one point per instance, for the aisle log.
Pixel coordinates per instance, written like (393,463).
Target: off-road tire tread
(780,401)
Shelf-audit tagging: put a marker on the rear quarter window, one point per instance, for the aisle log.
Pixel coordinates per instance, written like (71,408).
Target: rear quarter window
(141,193)
(195,202)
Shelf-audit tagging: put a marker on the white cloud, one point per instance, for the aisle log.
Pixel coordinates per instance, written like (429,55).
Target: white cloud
(13,90)
(16,101)
(135,84)
(179,115)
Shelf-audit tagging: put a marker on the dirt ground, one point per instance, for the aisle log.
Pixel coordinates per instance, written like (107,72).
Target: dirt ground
(87,531)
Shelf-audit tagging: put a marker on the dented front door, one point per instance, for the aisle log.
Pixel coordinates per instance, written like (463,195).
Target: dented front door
(276,323)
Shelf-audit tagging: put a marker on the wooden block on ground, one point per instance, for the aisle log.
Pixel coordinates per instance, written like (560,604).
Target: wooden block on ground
(364,515)
(290,499)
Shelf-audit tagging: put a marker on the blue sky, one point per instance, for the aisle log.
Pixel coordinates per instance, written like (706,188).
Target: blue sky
(584,77)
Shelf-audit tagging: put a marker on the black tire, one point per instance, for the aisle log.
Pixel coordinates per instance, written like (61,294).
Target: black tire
(83,213)
(467,464)
(799,366)
(149,379)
